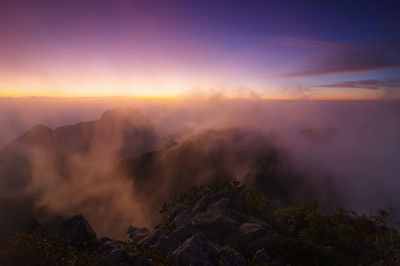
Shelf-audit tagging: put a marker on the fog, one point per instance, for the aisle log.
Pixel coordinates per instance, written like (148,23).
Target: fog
(346,152)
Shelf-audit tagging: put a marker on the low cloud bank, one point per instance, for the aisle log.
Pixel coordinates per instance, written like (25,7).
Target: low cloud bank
(343,153)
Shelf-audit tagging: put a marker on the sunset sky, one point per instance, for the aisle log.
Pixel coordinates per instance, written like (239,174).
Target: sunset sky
(168,49)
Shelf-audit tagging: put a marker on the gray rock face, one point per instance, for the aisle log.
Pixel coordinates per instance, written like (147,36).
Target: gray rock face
(230,256)
(266,243)
(166,244)
(247,232)
(34,226)
(197,250)
(118,255)
(149,240)
(78,230)
(215,231)
(184,232)
(260,257)
(216,218)
(178,209)
(235,200)
(136,234)
(183,218)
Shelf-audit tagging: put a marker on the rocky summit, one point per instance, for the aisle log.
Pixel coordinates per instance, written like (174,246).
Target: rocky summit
(214,231)
(224,223)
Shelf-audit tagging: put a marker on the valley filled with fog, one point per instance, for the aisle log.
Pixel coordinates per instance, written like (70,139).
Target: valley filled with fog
(117,160)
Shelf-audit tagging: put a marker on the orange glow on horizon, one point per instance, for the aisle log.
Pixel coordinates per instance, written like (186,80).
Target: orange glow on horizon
(271,97)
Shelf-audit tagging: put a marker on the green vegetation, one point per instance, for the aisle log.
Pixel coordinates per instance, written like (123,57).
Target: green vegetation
(41,248)
(336,237)
(190,198)
(309,235)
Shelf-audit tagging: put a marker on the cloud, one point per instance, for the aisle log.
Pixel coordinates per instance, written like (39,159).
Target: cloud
(370,84)
(330,58)
(306,43)
(345,64)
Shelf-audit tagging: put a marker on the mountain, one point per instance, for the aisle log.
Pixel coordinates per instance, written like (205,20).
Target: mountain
(223,223)
(248,156)
(117,134)
(45,160)
(108,169)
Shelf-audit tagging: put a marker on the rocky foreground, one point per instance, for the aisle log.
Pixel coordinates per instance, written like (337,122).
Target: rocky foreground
(222,224)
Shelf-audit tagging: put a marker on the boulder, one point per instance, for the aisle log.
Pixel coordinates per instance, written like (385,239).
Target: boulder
(197,250)
(183,218)
(260,257)
(141,261)
(109,246)
(266,243)
(230,256)
(235,200)
(166,244)
(104,240)
(184,232)
(34,226)
(216,218)
(247,232)
(149,240)
(78,230)
(178,209)
(136,233)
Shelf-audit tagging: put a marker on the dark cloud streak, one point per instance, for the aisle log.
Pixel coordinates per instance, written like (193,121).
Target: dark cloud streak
(331,58)
(345,64)
(370,84)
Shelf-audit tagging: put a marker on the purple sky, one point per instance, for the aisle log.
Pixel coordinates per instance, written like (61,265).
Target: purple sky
(270,49)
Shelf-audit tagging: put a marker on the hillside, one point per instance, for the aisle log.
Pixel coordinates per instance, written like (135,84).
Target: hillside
(44,165)
(224,223)
(249,156)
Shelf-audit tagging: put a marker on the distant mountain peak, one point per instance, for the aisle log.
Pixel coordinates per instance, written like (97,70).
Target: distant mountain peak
(119,113)
(39,131)
(40,128)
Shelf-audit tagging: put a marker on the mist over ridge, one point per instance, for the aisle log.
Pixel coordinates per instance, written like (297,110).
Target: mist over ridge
(341,153)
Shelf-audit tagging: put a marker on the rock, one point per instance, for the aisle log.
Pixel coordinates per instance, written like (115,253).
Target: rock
(235,200)
(117,254)
(130,257)
(230,256)
(179,208)
(123,257)
(110,245)
(260,257)
(197,250)
(149,240)
(78,230)
(104,240)
(34,226)
(136,234)
(265,243)
(221,205)
(216,218)
(183,218)
(184,232)
(141,261)
(247,232)
(166,244)
(203,203)
(215,221)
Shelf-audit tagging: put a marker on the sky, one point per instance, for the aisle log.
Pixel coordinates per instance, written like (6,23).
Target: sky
(169,49)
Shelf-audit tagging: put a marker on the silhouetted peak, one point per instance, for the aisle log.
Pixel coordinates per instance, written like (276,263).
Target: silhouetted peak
(36,135)
(119,113)
(41,128)
(39,131)
(125,117)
